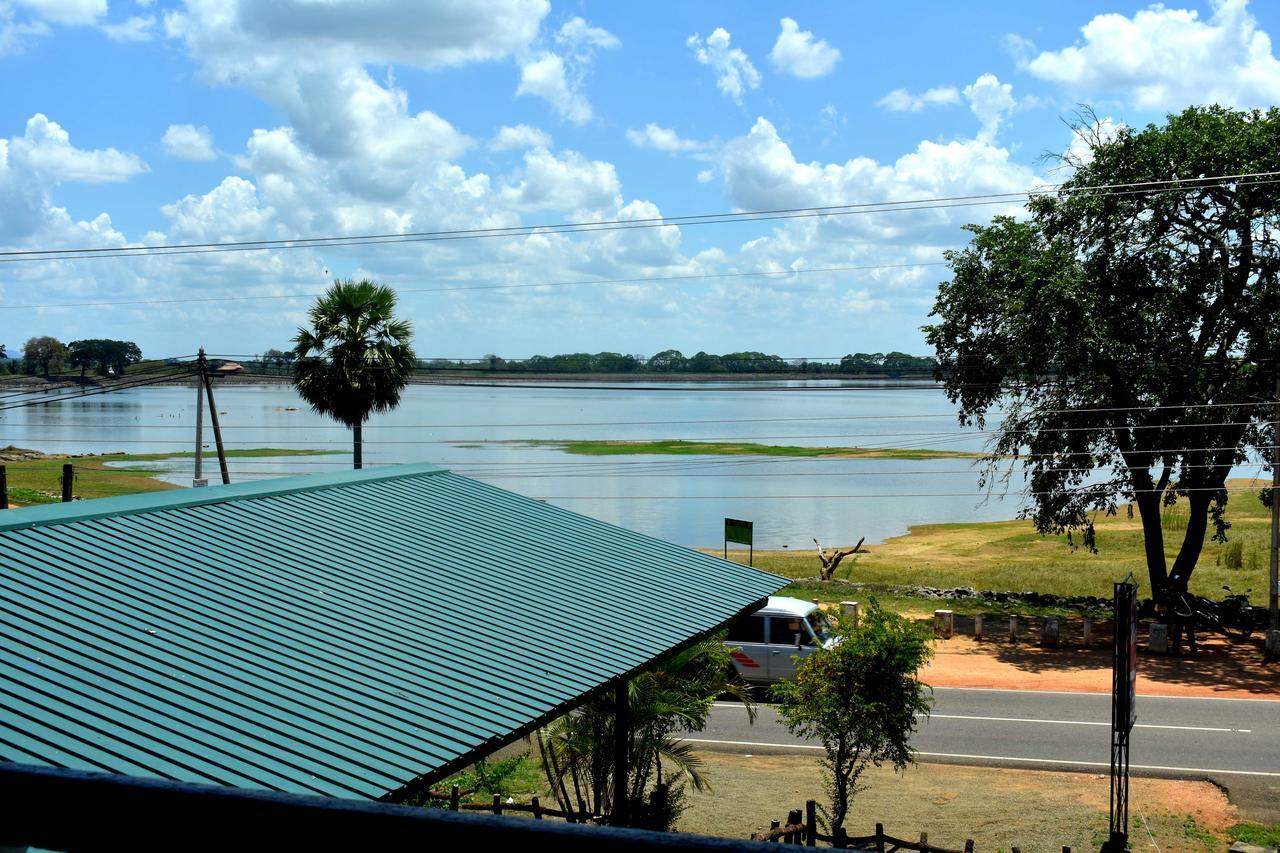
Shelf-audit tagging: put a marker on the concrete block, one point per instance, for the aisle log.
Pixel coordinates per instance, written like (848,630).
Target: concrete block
(977,626)
(851,611)
(1013,629)
(1158,639)
(944,624)
(1050,631)
(1087,630)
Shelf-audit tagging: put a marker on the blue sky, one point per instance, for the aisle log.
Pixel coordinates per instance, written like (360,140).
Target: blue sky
(132,123)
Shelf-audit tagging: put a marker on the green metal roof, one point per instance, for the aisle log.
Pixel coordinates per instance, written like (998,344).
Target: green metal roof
(340,634)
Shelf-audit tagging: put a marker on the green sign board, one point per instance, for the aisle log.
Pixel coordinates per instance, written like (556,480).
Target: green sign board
(736,530)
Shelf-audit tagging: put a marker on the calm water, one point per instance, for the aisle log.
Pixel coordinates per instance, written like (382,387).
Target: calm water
(681,498)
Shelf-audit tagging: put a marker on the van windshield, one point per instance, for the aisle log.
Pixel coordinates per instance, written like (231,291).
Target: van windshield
(821,625)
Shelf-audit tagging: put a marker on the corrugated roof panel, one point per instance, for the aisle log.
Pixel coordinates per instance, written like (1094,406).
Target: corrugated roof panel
(340,634)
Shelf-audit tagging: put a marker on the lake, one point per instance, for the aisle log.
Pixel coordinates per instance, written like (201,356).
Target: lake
(680,498)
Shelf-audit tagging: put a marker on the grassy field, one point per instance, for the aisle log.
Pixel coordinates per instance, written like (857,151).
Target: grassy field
(38,480)
(743,448)
(1011,556)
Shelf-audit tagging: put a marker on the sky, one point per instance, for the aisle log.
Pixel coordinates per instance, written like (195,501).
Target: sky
(141,122)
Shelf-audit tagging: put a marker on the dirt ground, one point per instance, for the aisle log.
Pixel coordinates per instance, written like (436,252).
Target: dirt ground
(997,808)
(1222,668)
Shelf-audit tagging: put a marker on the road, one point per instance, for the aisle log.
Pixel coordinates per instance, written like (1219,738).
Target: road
(1223,739)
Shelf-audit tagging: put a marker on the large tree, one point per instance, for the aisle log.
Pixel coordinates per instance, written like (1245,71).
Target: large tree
(1125,334)
(43,355)
(357,356)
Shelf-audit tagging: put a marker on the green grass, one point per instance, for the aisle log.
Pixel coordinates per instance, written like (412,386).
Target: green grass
(1011,556)
(33,481)
(1261,834)
(743,448)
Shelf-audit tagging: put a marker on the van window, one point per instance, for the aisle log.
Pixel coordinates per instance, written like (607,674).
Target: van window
(748,629)
(783,630)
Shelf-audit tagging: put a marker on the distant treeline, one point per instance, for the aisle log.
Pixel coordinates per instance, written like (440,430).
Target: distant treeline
(668,361)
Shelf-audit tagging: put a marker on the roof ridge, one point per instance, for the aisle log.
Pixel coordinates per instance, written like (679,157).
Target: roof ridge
(95,508)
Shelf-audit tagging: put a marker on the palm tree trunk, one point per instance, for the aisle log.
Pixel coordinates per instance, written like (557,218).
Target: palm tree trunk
(357,442)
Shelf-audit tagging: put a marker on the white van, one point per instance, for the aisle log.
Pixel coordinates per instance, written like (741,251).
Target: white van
(765,644)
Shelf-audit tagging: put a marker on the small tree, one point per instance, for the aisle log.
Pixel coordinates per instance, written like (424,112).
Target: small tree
(356,358)
(860,697)
(676,696)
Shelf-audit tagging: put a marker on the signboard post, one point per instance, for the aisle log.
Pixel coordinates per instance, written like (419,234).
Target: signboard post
(1124,676)
(739,531)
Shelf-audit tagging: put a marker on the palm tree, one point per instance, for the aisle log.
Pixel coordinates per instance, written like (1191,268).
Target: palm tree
(356,358)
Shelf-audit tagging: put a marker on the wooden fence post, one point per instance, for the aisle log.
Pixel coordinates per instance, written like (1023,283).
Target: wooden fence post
(880,837)
(68,478)
(454,797)
(497,804)
(537,809)
(1015,850)
(968,845)
(773,824)
(924,842)
(811,823)
(4,489)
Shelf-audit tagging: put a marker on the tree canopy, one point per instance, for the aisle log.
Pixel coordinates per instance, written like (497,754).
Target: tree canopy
(1124,336)
(43,355)
(103,354)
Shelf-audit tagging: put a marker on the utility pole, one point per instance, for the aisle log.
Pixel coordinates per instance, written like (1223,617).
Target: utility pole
(198,477)
(207,381)
(1273,631)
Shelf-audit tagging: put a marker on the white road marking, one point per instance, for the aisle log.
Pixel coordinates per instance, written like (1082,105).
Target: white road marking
(807,746)
(1226,730)
(1108,693)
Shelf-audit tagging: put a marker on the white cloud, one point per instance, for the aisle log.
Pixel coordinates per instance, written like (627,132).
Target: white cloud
(187,142)
(570,182)
(796,52)
(520,136)
(137,28)
(45,149)
(733,69)
(14,35)
(558,78)
(68,12)
(706,176)
(1167,59)
(902,101)
(991,101)
(662,139)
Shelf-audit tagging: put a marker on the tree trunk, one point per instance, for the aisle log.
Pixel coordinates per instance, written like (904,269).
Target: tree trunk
(357,444)
(1153,539)
(1193,540)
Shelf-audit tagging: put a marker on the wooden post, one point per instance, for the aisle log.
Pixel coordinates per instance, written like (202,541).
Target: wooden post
(454,797)
(773,824)
(924,842)
(621,744)
(68,479)
(537,809)
(4,488)
(1013,629)
(1015,850)
(880,838)
(197,478)
(497,804)
(217,431)
(1273,596)
(1087,630)
(811,823)
(968,845)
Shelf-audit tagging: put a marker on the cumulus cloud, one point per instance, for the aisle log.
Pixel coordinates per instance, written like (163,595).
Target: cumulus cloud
(733,69)
(188,142)
(558,78)
(46,150)
(991,101)
(509,138)
(137,28)
(1165,58)
(662,139)
(570,182)
(903,101)
(67,12)
(796,52)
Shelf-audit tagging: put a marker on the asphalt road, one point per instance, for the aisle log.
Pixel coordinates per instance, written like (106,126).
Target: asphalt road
(1227,740)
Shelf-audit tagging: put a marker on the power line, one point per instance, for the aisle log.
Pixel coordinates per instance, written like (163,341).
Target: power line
(615,225)
(463,288)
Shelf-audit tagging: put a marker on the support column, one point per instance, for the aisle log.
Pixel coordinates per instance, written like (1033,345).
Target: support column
(621,751)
